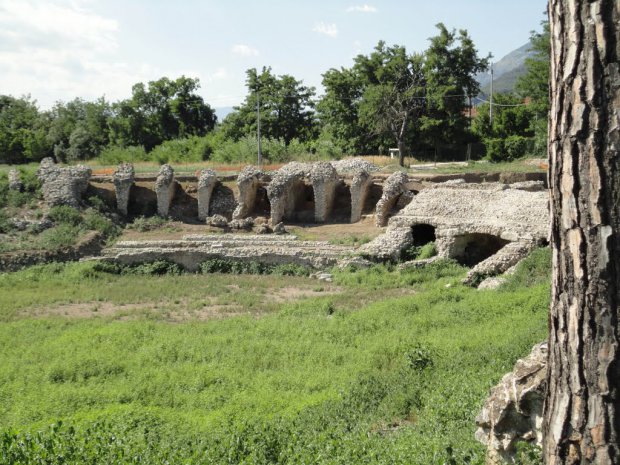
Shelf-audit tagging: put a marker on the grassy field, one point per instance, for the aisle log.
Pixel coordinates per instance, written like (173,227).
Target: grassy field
(381,366)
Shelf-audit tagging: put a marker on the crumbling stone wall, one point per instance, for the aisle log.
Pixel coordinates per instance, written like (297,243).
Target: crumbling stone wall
(324,179)
(513,411)
(285,187)
(207,180)
(192,250)
(393,187)
(248,182)
(515,217)
(123,179)
(15,182)
(63,185)
(164,189)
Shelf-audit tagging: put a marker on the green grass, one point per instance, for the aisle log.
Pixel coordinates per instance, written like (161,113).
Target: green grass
(369,375)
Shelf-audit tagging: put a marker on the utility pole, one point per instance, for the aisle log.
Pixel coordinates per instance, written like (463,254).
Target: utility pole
(260,155)
(491,99)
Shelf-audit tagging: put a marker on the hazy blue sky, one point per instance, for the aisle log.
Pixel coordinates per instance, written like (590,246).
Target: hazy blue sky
(58,50)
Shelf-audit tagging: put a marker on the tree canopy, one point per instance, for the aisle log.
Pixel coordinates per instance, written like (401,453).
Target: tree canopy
(398,97)
(285,104)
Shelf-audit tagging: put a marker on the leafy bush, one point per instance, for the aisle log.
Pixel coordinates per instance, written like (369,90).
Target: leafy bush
(6,225)
(151,223)
(62,236)
(64,214)
(192,149)
(95,221)
(509,148)
(115,155)
(420,252)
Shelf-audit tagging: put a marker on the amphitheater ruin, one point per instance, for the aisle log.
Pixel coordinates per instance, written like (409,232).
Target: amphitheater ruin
(487,222)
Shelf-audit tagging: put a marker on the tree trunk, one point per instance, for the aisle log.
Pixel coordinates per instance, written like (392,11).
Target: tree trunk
(582,409)
(402,149)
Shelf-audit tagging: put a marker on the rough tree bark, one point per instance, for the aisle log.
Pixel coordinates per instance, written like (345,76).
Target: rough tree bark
(582,408)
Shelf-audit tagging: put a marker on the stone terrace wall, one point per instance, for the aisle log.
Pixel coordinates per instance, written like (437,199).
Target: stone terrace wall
(192,250)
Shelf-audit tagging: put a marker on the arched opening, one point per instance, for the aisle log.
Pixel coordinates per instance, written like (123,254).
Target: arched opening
(341,212)
(374,194)
(304,203)
(184,206)
(471,249)
(262,206)
(423,234)
(142,200)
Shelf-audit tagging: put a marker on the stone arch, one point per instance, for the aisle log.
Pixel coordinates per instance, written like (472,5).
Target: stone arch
(473,248)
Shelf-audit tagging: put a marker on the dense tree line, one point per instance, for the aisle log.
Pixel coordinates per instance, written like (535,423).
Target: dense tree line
(388,98)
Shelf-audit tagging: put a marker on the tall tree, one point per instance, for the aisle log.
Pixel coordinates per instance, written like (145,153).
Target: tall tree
(582,407)
(399,98)
(534,86)
(161,110)
(79,129)
(286,108)
(395,95)
(22,131)
(451,64)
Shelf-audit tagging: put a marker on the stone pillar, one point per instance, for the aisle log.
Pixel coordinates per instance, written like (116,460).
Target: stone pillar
(360,186)
(206,183)
(164,188)
(324,179)
(15,182)
(247,182)
(63,185)
(393,187)
(123,180)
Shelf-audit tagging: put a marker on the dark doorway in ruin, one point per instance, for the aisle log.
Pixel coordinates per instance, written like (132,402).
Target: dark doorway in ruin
(374,194)
(184,205)
(341,212)
(423,234)
(304,203)
(262,206)
(471,249)
(142,200)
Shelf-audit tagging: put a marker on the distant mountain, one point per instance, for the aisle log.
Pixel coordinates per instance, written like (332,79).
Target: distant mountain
(222,112)
(506,71)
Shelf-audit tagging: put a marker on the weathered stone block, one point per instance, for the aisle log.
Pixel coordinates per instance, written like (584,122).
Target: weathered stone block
(123,179)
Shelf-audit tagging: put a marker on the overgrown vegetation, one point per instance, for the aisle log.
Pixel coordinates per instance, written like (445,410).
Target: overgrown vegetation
(363,374)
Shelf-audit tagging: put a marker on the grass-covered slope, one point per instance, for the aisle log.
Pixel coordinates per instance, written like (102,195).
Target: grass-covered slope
(386,367)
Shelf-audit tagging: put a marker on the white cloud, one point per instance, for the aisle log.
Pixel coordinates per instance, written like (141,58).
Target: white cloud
(330,30)
(362,9)
(220,73)
(61,50)
(244,50)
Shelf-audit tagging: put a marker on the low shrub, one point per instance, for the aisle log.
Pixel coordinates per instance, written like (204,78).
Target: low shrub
(150,223)
(509,148)
(64,214)
(115,155)
(420,252)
